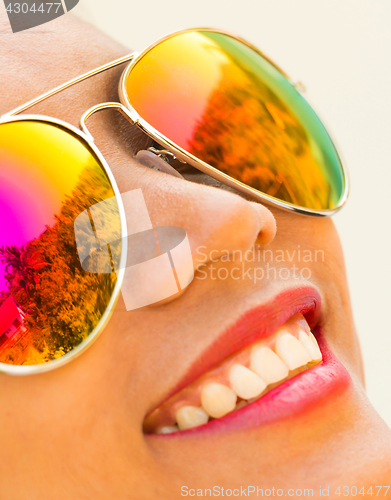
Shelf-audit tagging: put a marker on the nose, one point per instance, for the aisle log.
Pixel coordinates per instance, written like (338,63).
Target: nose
(216,220)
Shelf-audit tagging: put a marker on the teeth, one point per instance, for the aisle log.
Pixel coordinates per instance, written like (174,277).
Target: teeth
(310,344)
(266,364)
(291,351)
(190,416)
(318,351)
(167,429)
(217,399)
(239,380)
(245,383)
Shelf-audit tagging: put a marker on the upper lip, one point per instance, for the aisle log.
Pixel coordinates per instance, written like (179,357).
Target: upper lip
(255,324)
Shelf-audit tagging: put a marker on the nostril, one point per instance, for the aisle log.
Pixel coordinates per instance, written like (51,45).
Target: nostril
(267,224)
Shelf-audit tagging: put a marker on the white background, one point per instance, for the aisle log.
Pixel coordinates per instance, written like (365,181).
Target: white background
(340,49)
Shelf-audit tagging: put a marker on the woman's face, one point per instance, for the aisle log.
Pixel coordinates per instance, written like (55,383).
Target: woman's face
(81,430)
(83,423)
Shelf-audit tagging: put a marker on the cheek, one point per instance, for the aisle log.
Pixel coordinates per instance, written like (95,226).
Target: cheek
(315,239)
(82,410)
(313,244)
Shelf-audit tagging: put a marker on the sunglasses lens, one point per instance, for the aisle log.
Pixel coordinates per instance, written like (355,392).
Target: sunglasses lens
(52,300)
(227,105)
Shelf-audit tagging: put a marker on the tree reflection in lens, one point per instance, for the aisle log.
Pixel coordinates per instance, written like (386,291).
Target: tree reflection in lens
(50,303)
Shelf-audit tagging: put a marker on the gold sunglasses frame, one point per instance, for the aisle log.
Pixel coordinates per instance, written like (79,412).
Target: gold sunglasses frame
(130,113)
(125,107)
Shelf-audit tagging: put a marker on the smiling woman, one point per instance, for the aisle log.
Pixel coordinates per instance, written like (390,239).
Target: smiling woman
(250,376)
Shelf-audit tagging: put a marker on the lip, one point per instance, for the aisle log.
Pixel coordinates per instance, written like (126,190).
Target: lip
(291,396)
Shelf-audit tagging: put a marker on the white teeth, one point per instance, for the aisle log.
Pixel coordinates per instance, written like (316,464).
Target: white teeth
(190,416)
(291,351)
(268,365)
(217,399)
(241,379)
(319,352)
(245,383)
(167,429)
(310,345)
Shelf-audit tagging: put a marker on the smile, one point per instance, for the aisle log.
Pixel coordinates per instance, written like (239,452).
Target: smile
(254,377)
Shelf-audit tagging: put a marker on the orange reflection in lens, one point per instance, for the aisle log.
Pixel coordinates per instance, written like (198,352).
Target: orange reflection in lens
(48,303)
(224,103)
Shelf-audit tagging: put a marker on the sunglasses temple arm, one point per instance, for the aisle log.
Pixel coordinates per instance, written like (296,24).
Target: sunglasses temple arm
(66,85)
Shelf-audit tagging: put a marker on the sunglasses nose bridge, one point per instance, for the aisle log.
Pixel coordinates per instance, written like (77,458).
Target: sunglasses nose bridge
(128,114)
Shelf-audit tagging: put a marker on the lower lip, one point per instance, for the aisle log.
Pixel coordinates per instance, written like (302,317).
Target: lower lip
(297,395)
